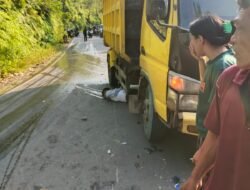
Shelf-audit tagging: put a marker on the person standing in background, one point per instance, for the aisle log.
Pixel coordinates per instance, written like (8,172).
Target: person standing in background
(85,34)
(209,38)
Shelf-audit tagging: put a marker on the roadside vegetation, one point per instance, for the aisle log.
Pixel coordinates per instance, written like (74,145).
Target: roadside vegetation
(33,30)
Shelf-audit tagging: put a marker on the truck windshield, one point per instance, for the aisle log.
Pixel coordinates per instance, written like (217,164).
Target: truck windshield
(189,10)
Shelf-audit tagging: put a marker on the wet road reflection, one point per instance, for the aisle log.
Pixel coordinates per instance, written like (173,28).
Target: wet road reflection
(85,62)
(82,63)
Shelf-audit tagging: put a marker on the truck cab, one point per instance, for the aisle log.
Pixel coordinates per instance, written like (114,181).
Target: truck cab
(149,57)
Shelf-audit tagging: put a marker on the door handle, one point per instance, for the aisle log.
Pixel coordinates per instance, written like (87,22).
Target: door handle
(143,52)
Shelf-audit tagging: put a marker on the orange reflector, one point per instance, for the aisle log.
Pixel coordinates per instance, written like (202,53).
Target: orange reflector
(177,83)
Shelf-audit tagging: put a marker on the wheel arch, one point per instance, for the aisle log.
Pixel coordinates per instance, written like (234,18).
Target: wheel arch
(143,83)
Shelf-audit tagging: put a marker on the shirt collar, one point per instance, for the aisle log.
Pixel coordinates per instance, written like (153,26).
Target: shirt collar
(241,76)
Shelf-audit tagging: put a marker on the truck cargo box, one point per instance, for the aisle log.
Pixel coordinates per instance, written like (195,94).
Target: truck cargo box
(117,14)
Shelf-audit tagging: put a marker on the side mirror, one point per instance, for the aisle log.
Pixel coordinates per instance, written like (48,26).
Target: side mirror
(157,9)
(160,23)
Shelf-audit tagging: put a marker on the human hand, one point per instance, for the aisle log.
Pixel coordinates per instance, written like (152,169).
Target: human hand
(193,53)
(196,156)
(190,184)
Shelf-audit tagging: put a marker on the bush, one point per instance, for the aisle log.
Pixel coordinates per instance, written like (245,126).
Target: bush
(29,27)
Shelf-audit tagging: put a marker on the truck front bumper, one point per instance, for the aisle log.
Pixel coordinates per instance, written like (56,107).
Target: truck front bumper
(187,123)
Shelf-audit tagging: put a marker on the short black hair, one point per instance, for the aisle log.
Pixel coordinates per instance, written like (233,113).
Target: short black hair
(211,28)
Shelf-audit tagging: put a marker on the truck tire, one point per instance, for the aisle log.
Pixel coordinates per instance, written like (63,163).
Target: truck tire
(153,127)
(113,82)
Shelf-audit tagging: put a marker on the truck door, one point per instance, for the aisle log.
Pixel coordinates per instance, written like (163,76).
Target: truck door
(155,50)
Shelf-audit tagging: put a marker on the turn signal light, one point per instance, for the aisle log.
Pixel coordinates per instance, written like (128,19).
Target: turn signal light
(177,83)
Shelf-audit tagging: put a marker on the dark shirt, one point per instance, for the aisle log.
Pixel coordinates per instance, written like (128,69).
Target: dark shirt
(227,119)
(207,89)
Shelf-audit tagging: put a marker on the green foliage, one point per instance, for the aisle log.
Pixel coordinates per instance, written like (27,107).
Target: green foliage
(31,26)
(19,3)
(5,4)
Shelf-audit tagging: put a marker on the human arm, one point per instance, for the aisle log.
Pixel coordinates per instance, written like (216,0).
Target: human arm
(201,62)
(205,157)
(202,68)
(203,161)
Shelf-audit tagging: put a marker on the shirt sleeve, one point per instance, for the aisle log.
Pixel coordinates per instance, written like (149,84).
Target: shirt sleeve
(212,120)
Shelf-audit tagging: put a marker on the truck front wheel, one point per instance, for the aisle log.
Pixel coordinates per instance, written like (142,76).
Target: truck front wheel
(153,128)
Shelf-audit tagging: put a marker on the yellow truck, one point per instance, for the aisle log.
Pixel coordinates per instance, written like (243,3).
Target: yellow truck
(149,57)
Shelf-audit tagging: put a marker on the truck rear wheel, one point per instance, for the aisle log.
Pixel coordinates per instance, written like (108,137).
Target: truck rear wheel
(113,82)
(153,128)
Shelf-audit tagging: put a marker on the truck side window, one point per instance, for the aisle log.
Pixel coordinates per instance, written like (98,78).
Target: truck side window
(158,9)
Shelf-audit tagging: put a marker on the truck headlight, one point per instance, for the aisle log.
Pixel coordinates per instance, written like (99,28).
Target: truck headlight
(188,102)
(182,92)
(183,101)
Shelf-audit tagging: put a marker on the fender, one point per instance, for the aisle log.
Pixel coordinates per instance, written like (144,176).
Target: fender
(143,82)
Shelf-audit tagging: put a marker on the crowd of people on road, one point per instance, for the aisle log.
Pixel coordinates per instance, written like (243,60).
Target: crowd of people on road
(222,50)
(88,32)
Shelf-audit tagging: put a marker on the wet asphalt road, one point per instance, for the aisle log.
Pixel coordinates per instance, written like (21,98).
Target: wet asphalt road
(78,141)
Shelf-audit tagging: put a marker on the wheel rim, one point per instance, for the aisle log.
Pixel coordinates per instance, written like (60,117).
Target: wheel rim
(148,112)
